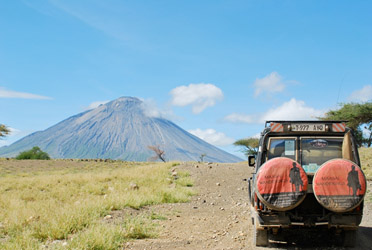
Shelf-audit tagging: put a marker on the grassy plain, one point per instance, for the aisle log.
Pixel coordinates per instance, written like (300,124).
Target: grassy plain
(60,204)
(365,155)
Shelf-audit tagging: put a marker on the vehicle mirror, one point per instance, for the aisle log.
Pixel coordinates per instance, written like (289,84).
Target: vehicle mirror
(251,160)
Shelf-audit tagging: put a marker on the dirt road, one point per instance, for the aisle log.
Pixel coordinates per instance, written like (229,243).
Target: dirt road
(219,216)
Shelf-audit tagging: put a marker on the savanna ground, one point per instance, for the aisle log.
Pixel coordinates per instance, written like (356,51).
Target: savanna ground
(118,205)
(83,205)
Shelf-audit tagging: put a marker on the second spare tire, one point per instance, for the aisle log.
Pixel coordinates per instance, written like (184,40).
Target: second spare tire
(339,185)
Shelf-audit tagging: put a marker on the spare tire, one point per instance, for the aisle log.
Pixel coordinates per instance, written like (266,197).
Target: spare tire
(281,184)
(339,185)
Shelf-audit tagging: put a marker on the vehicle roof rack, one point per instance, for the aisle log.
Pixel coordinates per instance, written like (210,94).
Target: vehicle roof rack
(303,121)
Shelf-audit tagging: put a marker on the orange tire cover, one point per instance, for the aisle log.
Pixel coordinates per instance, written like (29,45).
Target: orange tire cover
(281,184)
(339,185)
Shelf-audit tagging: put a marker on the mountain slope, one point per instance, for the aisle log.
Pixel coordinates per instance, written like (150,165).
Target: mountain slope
(118,130)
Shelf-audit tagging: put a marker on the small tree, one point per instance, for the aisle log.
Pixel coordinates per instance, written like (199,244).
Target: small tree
(202,157)
(250,145)
(33,154)
(4,131)
(159,154)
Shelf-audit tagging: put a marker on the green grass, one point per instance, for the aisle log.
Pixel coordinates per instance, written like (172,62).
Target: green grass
(155,216)
(50,202)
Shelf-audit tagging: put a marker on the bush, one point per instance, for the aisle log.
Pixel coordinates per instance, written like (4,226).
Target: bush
(33,154)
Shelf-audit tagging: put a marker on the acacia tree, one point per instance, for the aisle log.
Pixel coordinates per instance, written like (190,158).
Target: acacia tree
(159,154)
(359,117)
(249,145)
(4,131)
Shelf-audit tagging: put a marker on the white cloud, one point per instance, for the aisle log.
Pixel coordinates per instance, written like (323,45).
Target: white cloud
(14,135)
(94,105)
(4,93)
(362,95)
(212,136)
(271,83)
(239,118)
(150,109)
(14,131)
(199,96)
(291,110)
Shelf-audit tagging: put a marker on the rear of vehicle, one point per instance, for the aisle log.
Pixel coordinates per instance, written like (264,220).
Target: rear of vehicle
(307,175)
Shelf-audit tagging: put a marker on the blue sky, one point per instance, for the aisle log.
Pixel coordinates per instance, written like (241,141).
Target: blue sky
(216,68)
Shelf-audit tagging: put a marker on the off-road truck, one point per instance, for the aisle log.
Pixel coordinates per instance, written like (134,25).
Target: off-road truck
(306,174)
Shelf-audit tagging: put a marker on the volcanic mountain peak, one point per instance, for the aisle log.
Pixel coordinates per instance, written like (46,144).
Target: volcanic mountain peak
(124,102)
(118,130)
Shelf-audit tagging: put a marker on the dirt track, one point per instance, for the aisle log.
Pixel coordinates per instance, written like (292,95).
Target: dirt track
(219,216)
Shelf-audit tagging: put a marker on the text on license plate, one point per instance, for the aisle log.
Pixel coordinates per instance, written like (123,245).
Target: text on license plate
(308,127)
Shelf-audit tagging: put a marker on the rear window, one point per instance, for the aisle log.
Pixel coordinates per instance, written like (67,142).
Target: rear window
(282,147)
(316,151)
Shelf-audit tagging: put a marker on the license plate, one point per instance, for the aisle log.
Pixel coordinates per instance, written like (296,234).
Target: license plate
(308,127)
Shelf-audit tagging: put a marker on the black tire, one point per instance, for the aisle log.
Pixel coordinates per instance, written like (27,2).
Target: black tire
(349,238)
(250,191)
(260,237)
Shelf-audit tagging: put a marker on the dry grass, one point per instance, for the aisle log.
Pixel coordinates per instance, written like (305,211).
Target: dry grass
(61,204)
(365,155)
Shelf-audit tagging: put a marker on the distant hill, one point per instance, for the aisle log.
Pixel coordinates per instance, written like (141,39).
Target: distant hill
(118,130)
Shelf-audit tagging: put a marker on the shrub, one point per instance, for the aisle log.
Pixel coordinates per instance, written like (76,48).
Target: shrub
(33,154)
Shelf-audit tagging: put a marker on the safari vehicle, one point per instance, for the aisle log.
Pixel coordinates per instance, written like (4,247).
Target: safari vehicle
(307,175)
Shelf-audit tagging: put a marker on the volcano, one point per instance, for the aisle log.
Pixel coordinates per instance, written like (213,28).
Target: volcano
(119,129)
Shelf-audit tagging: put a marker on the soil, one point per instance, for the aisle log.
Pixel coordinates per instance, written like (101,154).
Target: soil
(218,217)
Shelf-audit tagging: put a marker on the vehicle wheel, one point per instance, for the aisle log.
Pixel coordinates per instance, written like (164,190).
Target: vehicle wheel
(349,238)
(260,237)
